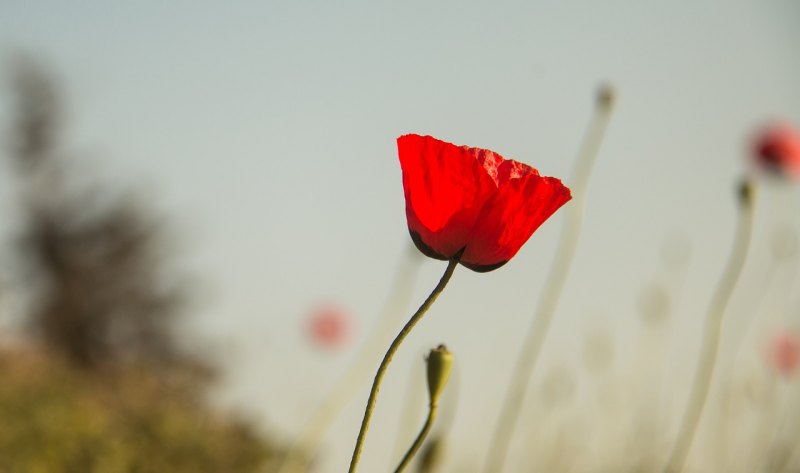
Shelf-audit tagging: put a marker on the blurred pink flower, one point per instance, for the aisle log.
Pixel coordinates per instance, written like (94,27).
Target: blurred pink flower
(785,352)
(330,327)
(777,150)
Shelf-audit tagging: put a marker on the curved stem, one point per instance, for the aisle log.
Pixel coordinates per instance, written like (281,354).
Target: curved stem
(532,345)
(418,441)
(357,373)
(710,349)
(413,404)
(387,358)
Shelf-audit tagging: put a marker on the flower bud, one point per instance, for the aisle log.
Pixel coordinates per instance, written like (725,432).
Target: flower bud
(745,193)
(439,363)
(605,96)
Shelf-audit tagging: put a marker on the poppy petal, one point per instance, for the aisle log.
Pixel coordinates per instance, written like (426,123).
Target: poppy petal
(446,186)
(777,150)
(509,218)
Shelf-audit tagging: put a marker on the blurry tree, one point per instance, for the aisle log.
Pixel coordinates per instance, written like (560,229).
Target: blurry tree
(94,260)
(100,296)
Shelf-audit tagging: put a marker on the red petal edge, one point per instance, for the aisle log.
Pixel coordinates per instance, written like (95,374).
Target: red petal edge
(510,218)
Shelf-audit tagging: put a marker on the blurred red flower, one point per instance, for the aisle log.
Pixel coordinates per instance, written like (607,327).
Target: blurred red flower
(330,327)
(785,352)
(471,203)
(777,150)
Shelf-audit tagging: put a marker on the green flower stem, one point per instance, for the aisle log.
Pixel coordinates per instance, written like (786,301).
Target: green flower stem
(408,426)
(387,358)
(713,329)
(532,345)
(418,441)
(357,374)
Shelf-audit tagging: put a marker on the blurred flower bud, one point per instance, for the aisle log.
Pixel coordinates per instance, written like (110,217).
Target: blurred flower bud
(330,327)
(440,361)
(746,193)
(606,96)
(784,354)
(777,151)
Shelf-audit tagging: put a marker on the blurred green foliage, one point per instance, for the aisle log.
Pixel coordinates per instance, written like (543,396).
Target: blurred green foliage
(55,418)
(108,388)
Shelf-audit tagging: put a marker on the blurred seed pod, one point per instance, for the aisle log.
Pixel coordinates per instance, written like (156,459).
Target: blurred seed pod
(606,95)
(654,305)
(558,388)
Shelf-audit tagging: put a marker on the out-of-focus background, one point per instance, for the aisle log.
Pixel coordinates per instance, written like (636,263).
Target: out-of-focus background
(201,202)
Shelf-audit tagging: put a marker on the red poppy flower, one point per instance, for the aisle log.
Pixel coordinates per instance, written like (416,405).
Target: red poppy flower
(330,327)
(785,352)
(777,150)
(471,203)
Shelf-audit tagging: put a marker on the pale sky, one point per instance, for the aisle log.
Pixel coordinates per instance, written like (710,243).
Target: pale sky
(267,131)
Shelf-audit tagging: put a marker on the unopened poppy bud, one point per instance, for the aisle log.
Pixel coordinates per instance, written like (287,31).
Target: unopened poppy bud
(439,363)
(745,193)
(605,96)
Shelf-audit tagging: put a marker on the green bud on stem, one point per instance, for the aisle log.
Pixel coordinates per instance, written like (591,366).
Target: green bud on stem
(605,96)
(745,192)
(440,361)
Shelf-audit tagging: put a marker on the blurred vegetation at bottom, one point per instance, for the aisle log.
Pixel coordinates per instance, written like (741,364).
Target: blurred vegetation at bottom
(55,418)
